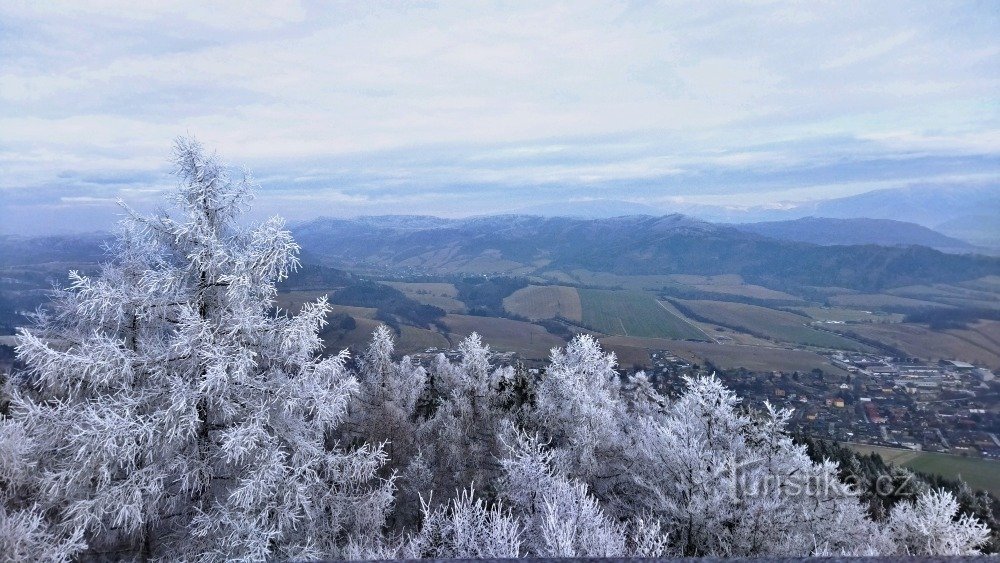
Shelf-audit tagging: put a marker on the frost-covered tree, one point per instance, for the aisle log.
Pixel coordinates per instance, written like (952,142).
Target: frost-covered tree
(562,518)
(580,410)
(930,525)
(383,411)
(170,412)
(730,482)
(461,443)
(722,480)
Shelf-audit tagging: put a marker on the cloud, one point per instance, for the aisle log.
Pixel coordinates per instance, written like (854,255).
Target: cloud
(404,105)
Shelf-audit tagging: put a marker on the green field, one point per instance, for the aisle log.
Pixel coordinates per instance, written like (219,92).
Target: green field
(771,323)
(633,313)
(978,473)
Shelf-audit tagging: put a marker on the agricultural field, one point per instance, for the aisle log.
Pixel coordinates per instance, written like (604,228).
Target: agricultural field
(732,284)
(443,295)
(844,315)
(633,313)
(978,473)
(724,356)
(947,294)
(977,344)
(293,301)
(411,339)
(989,284)
(871,301)
(778,325)
(529,340)
(545,302)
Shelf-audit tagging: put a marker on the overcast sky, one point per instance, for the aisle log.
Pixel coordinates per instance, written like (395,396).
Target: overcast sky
(459,108)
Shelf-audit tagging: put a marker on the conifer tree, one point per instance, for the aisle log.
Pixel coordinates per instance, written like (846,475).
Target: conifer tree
(170,411)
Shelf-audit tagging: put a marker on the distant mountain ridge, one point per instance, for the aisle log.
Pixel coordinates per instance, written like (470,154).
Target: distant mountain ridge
(627,245)
(967,213)
(828,231)
(591,209)
(630,245)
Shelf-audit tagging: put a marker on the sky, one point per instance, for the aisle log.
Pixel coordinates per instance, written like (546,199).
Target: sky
(464,108)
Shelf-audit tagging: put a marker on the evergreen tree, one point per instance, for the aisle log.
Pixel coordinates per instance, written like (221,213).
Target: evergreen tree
(168,411)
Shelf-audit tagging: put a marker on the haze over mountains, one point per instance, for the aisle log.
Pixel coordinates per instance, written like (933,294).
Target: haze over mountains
(971,214)
(827,231)
(862,254)
(631,245)
(627,238)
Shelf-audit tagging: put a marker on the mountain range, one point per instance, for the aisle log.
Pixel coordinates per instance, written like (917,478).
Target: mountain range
(630,245)
(860,254)
(827,231)
(971,214)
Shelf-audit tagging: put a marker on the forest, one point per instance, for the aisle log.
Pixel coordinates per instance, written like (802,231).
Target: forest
(167,410)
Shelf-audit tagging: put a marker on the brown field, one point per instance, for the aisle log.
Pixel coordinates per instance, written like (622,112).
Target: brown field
(724,356)
(779,325)
(446,260)
(531,341)
(829,290)
(849,315)
(732,284)
(416,339)
(722,279)
(876,300)
(749,290)
(977,344)
(988,283)
(411,340)
(356,339)
(545,302)
(557,276)
(441,295)
(956,295)
(426,288)
(293,301)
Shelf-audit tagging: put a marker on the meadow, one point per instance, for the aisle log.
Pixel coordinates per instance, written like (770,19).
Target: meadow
(978,473)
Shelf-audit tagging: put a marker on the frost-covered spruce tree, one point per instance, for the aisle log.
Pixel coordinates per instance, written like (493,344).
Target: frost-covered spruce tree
(461,443)
(171,413)
(383,411)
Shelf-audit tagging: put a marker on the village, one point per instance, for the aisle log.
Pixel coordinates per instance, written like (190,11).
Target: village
(947,406)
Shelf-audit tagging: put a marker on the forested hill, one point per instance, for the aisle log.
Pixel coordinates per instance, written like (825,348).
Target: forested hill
(524,245)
